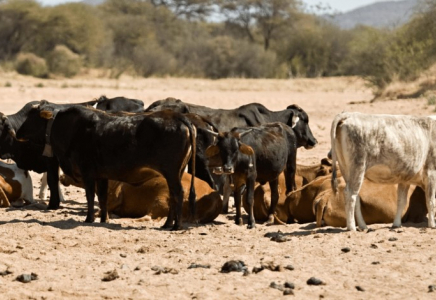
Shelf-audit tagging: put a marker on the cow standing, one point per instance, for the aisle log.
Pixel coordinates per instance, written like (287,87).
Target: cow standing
(97,146)
(386,149)
(252,114)
(257,154)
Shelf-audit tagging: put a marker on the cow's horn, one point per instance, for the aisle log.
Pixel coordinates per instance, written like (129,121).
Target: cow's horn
(244,132)
(212,132)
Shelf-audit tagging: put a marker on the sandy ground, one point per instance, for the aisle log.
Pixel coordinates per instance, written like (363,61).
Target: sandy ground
(71,258)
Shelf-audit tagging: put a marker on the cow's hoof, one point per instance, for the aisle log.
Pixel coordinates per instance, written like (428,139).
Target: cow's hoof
(166,226)
(175,227)
(251,226)
(270,220)
(53,207)
(89,220)
(238,221)
(396,226)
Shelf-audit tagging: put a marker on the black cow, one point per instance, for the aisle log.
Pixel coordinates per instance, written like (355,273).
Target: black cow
(97,146)
(117,104)
(252,114)
(257,154)
(28,156)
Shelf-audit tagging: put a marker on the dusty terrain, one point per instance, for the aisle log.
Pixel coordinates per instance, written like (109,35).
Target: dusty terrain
(71,257)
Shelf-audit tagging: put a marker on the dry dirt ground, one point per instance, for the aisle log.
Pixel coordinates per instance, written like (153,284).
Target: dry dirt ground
(71,258)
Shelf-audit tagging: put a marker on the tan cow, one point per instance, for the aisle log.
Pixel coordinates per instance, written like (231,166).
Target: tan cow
(15,184)
(292,207)
(378,201)
(151,198)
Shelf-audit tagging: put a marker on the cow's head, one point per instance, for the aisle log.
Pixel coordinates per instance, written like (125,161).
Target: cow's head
(299,121)
(7,136)
(228,146)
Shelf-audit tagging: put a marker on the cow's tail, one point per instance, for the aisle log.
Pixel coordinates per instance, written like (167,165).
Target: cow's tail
(193,140)
(318,208)
(336,122)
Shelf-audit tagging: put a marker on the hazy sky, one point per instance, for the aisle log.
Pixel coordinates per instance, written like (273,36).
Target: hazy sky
(336,5)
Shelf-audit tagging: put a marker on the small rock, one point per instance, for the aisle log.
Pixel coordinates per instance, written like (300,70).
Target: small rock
(393,239)
(288,292)
(246,272)
(370,230)
(374,246)
(50,289)
(314,281)
(137,268)
(195,266)
(142,250)
(289,285)
(5,272)
(359,288)
(375,263)
(277,286)
(25,278)
(123,255)
(110,275)
(290,267)
(233,266)
(432,288)
(160,270)
(124,267)
(345,249)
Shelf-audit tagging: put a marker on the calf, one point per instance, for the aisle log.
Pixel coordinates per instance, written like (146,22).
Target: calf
(257,154)
(15,184)
(386,149)
(97,146)
(152,198)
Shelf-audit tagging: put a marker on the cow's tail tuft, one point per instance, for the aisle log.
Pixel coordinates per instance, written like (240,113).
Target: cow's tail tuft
(193,140)
(336,122)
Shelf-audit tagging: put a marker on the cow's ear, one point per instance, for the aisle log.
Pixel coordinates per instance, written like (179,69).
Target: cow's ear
(245,149)
(46,114)
(326,162)
(212,150)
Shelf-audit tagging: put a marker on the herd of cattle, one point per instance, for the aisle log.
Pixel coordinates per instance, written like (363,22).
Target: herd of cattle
(135,159)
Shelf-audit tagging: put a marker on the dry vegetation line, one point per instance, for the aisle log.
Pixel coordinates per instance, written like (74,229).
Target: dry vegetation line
(125,259)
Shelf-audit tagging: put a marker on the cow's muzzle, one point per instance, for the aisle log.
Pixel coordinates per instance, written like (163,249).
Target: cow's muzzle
(228,170)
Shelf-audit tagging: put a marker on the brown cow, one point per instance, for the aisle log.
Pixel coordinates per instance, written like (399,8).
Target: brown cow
(378,201)
(292,207)
(151,198)
(15,184)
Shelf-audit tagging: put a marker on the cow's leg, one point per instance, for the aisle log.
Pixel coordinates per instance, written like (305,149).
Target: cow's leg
(227,191)
(360,221)
(430,197)
(176,204)
(90,194)
(274,187)
(53,184)
(402,191)
(43,189)
(250,200)
(238,201)
(102,186)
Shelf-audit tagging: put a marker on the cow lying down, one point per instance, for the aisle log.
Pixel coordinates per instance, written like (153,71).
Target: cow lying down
(150,200)
(15,185)
(316,201)
(295,207)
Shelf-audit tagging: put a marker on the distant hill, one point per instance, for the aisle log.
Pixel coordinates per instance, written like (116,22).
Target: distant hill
(379,14)
(93,2)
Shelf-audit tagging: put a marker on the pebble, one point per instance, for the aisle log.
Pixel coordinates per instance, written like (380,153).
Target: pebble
(314,281)
(5,272)
(288,292)
(375,263)
(160,270)
(290,267)
(393,239)
(432,288)
(233,266)
(345,249)
(110,275)
(359,288)
(25,278)
(195,266)
(289,285)
(374,246)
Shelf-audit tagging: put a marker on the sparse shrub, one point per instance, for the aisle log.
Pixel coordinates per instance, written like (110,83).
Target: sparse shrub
(8,84)
(431,99)
(39,85)
(30,64)
(62,61)
(151,59)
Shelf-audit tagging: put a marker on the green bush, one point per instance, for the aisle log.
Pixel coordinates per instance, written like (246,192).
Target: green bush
(30,64)
(62,61)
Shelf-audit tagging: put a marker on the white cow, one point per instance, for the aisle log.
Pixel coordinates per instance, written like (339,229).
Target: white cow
(385,149)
